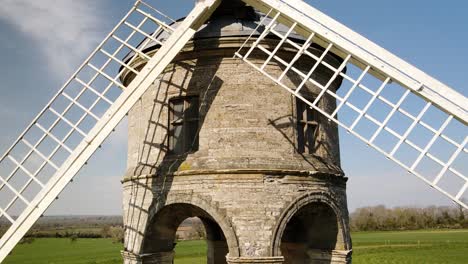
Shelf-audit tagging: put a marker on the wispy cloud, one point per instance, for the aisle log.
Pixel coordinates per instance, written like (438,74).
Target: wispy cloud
(65,31)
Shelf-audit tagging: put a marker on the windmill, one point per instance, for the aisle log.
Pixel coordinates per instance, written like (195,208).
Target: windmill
(99,99)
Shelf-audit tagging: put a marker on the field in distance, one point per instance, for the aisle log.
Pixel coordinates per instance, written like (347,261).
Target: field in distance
(444,246)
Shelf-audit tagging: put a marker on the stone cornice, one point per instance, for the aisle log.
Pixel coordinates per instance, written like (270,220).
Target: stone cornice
(271,172)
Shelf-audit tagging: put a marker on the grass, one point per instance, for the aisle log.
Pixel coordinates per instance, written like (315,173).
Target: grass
(411,247)
(190,252)
(369,247)
(63,250)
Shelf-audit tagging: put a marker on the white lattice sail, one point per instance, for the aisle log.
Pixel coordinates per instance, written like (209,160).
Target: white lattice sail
(56,145)
(408,116)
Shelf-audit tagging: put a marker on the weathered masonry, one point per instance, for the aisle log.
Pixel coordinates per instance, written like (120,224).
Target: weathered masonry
(214,139)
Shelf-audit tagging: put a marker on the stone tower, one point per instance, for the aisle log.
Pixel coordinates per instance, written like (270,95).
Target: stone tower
(212,138)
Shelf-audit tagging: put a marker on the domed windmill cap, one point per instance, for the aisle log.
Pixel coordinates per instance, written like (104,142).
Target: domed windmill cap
(233,18)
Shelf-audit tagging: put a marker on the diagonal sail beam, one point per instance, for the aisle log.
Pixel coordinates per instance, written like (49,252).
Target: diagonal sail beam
(109,120)
(443,168)
(365,52)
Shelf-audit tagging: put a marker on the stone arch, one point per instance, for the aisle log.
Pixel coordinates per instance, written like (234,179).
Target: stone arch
(166,218)
(334,239)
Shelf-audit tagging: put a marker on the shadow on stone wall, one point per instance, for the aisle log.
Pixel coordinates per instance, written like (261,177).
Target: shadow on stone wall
(149,196)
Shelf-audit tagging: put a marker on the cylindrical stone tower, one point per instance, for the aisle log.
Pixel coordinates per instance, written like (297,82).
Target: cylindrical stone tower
(215,139)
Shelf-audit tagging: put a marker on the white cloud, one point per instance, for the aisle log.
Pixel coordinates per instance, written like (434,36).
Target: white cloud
(65,30)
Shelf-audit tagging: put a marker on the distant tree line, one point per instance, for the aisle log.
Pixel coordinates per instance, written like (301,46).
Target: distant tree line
(74,227)
(116,233)
(64,234)
(376,218)
(380,218)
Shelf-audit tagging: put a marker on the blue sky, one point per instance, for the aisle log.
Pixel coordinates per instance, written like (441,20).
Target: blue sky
(43,41)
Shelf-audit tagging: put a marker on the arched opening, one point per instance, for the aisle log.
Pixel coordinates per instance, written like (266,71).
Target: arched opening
(190,244)
(165,242)
(311,235)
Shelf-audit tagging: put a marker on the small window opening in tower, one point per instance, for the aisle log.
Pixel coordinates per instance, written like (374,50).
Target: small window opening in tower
(183,124)
(306,125)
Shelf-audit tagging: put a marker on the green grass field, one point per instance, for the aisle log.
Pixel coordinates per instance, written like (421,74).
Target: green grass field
(411,247)
(62,250)
(373,247)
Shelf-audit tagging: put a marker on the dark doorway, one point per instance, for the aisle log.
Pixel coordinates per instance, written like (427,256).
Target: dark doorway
(167,235)
(311,235)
